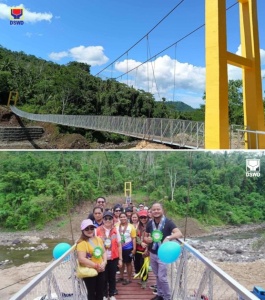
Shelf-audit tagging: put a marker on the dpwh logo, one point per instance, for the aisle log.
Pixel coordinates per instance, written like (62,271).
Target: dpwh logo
(253,167)
(16,16)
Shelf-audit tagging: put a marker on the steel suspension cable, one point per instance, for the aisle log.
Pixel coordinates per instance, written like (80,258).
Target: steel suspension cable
(154,56)
(142,37)
(153,72)
(175,43)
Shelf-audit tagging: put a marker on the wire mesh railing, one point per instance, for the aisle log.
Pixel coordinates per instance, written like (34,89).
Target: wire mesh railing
(194,277)
(191,277)
(58,281)
(181,133)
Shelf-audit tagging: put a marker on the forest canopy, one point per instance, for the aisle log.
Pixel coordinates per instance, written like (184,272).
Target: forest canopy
(36,187)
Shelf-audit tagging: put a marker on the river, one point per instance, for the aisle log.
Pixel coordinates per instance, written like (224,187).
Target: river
(15,254)
(214,245)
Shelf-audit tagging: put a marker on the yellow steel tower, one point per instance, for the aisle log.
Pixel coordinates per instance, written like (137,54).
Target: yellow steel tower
(217,58)
(128,191)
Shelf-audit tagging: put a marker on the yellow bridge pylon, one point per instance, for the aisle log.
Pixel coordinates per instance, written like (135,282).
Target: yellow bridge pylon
(217,58)
(13,96)
(128,191)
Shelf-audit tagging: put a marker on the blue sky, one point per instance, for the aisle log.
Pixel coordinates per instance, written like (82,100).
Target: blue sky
(99,31)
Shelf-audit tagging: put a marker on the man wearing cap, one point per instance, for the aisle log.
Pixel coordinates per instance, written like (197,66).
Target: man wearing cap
(91,254)
(159,230)
(112,242)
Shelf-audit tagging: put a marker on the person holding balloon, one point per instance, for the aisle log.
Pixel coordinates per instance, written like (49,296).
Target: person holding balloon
(91,254)
(158,231)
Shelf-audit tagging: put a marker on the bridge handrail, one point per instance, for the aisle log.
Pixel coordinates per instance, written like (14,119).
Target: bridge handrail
(178,268)
(182,133)
(65,258)
(256,132)
(251,131)
(241,290)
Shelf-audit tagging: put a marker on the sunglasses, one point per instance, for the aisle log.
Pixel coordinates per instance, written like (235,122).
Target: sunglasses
(117,210)
(90,228)
(142,217)
(108,218)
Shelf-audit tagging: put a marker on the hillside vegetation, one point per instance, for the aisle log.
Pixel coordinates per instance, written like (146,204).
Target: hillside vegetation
(45,87)
(36,187)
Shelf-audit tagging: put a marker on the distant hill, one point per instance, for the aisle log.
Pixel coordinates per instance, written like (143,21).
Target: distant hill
(179,106)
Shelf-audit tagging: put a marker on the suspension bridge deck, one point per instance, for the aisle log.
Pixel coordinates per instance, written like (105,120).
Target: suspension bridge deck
(190,277)
(180,133)
(134,290)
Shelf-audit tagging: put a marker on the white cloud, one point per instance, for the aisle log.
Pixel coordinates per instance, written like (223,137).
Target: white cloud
(92,55)
(234,73)
(29,17)
(166,73)
(4,11)
(58,55)
(161,76)
(262,57)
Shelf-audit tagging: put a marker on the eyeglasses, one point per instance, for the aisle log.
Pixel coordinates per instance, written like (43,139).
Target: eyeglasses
(117,210)
(143,217)
(90,228)
(108,218)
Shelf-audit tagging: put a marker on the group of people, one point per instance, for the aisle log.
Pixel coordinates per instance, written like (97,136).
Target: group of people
(111,239)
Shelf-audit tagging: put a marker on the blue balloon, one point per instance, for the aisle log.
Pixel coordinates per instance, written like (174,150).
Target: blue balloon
(60,249)
(169,252)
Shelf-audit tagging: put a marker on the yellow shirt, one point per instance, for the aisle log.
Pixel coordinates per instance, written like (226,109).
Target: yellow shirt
(89,247)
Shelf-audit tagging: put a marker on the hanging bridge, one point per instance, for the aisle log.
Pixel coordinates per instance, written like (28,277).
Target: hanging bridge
(179,133)
(216,132)
(191,277)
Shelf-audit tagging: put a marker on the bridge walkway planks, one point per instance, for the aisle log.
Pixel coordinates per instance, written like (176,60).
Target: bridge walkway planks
(134,290)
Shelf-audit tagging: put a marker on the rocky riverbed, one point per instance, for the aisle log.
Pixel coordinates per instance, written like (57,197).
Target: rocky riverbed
(227,244)
(243,250)
(235,244)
